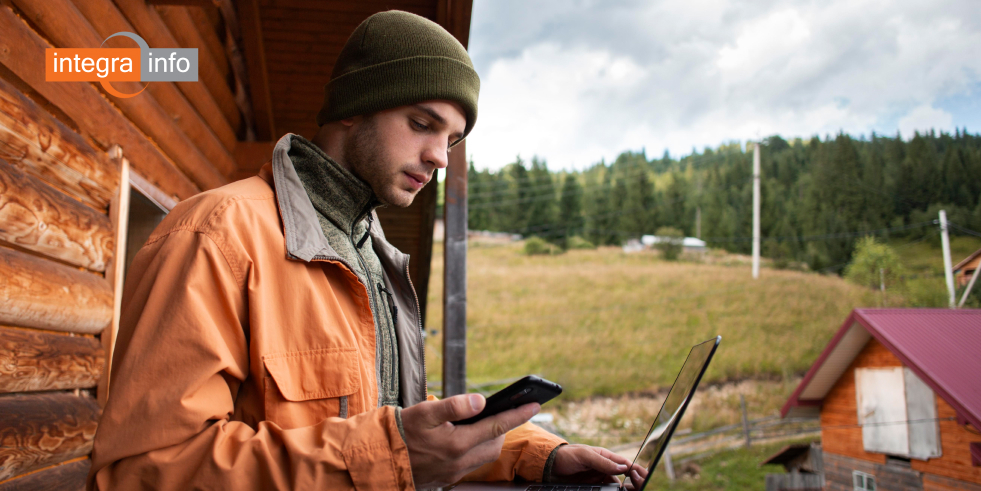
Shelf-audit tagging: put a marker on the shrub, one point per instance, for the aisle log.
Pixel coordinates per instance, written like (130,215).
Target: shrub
(577,242)
(670,242)
(873,263)
(535,246)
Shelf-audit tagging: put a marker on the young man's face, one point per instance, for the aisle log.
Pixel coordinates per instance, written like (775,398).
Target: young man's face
(397,150)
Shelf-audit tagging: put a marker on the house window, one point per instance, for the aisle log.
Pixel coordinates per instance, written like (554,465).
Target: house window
(144,216)
(863,481)
(898,413)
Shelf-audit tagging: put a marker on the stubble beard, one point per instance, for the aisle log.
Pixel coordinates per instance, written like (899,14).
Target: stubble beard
(365,157)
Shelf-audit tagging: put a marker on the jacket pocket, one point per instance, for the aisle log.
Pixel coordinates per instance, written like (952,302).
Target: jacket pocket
(303,388)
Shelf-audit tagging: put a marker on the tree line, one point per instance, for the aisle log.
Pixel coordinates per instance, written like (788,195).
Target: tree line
(819,197)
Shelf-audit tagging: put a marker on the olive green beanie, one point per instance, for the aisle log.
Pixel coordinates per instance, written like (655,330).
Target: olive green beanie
(394,59)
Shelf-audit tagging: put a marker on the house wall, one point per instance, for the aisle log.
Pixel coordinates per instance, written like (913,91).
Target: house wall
(841,437)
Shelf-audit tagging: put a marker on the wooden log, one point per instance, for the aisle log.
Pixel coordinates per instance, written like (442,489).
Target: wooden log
(38,217)
(151,27)
(88,108)
(68,476)
(34,141)
(191,33)
(66,26)
(197,113)
(43,429)
(180,24)
(47,295)
(32,360)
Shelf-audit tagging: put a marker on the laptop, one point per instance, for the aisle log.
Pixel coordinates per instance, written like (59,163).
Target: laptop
(653,445)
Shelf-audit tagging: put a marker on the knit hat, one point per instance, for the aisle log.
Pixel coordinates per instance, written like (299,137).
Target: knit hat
(395,59)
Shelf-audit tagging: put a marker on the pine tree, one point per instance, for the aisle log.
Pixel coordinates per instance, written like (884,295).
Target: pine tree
(570,208)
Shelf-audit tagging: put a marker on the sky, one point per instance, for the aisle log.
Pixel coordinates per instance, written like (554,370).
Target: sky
(577,81)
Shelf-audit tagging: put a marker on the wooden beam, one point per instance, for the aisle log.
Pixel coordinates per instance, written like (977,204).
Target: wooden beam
(38,217)
(68,476)
(43,294)
(108,20)
(32,360)
(255,58)
(34,141)
(153,193)
(183,28)
(119,212)
(251,156)
(66,26)
(209,34)
(82,102)
(152,28)
(44,429)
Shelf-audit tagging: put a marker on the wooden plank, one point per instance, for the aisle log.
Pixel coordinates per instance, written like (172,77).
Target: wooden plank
(38,217)
(66,26)
(424,8)
(46,295)
(90,110)
(179,21)
(251,156)
(153,193)
(44,429)
(119,212)
(209,34)
(108,20)
(152,28)
(34,141)
(68,476)
(255,59)
(32,360)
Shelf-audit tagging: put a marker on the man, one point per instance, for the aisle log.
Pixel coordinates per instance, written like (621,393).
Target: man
(271,337)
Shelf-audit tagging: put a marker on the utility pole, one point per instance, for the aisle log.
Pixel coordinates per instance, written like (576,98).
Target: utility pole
(948,274)
(756,210)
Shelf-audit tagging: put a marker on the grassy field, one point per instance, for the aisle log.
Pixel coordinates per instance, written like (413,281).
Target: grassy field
(729,470)
(601,322)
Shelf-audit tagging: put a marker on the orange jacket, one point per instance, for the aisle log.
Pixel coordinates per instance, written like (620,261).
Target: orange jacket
(246,356)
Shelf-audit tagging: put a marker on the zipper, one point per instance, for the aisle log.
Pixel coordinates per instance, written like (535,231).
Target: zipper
(422,335)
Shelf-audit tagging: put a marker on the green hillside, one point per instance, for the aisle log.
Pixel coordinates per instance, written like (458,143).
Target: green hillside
(604,322)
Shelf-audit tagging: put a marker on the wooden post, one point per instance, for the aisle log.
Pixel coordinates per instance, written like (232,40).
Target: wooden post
(455,275)
(119,213)
(742,404)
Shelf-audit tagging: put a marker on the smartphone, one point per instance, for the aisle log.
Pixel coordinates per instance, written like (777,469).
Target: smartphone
(524,391)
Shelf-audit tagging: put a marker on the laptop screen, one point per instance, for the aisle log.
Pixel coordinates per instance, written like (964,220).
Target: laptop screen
(671,412)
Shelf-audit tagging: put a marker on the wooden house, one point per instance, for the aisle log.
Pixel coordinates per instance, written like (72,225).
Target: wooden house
(898,392)
(964,270)
(85,176)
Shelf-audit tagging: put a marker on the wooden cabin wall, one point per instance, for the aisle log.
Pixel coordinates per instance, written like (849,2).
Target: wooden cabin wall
(842,435)
(62,211)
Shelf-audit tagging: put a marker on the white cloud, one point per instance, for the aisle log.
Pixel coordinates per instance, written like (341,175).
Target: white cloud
(575,82)
(924,118)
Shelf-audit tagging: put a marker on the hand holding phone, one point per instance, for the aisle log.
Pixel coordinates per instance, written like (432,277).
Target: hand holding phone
(524,391)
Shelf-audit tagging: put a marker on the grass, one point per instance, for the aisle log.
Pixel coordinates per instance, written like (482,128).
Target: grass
(728,470)
(601,322)
(925,286)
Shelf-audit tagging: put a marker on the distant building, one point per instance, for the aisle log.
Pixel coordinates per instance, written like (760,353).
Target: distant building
(690,244)
(805,469)
(964,270)
(898,392)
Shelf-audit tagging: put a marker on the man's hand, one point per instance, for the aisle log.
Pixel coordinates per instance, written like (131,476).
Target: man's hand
(441,453)
(585,464)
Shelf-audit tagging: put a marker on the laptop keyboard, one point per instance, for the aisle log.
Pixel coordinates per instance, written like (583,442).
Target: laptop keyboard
(561,487)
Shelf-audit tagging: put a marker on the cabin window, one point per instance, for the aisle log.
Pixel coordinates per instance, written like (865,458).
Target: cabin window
(863,481)
(144,216)
(897,412)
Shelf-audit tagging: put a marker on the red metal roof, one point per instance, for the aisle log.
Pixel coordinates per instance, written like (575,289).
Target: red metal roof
(943,347)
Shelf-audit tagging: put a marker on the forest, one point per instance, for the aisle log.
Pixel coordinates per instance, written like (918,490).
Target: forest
(819,197)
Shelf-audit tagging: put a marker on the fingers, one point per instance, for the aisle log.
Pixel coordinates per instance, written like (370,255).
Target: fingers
(455,408)
(496,426)
(593,458)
